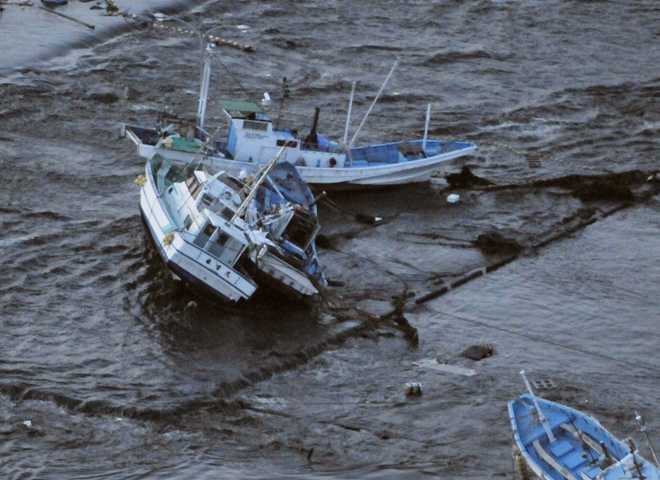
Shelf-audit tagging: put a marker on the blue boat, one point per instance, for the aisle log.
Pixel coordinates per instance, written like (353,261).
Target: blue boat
(556,442)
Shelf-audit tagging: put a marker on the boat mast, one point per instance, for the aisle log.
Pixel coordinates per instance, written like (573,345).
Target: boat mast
(205,52)
(426,127)
(285,96)
(373,104)
(204,86)
(544,421)
(263,174)
(348,113)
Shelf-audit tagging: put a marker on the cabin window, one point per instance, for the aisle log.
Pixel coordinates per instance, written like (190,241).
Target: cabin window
(207,200)
(226,248)
(227,213)
(252,125)
(204,235)
(222,239)
(187,223)
(287,143)
(194,187)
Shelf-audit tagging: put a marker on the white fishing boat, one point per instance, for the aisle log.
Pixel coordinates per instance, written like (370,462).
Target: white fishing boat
(219,233)
(253,138)
(187,240)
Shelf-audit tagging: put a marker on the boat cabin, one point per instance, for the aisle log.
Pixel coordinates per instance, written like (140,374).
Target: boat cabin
(252,137)
(203,207)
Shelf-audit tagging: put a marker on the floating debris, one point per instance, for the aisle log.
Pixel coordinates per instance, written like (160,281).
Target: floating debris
(453,198)
(111,8)
(68,17)
(466,179)
(413,389)
(544,384)
(434,364)
(494,242)
(479,352)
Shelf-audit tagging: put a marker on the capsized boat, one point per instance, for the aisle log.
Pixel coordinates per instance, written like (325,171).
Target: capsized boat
(253,138)
(199,223)
(556,442)
(197,244)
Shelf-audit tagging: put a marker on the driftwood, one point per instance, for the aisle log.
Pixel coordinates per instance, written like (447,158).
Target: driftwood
(80,22)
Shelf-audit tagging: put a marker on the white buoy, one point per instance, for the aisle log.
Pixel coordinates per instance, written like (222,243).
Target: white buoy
(28,423)
(266,101)
(453,198)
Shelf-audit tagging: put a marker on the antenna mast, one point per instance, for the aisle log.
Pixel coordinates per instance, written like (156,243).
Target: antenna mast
(285,96)
(204,88)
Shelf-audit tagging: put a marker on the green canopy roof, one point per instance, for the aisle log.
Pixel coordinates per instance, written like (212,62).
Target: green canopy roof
(240,106)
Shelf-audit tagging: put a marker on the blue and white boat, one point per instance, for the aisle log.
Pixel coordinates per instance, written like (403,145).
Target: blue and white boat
(556,442)
(253,138)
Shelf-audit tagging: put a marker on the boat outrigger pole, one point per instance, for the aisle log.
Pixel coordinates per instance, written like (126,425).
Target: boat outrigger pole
(373,104)
(544,421)
(348,114)
(426,127)
(642,428)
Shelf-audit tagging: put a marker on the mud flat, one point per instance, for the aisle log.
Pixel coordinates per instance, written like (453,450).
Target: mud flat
(28,34)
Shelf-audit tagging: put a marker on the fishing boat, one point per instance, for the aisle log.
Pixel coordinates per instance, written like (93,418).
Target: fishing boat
(253,137)
(556,442)
(223,234)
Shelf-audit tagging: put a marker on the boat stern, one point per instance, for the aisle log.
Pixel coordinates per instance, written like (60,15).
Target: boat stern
(145,139)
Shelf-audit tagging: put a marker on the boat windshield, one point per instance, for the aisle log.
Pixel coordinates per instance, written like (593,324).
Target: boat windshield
(226,248)
(221,244)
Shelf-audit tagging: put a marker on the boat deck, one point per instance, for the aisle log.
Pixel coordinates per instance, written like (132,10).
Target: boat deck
(401,152)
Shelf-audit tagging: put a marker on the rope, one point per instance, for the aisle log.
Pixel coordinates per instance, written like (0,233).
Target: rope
(639,364)
(245,91)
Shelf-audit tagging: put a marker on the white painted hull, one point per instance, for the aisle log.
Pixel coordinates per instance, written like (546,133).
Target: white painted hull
(413,171)
(185,259)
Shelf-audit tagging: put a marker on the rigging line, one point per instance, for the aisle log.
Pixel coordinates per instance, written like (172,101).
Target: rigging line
(639,364)
(235,79)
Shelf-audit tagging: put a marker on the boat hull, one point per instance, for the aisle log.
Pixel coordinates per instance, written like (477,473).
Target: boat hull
(416,171)
(379,175)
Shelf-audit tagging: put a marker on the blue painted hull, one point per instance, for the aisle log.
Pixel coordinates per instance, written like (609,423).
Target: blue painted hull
(582,449)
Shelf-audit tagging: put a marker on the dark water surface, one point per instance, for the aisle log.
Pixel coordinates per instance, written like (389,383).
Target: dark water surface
(124,373)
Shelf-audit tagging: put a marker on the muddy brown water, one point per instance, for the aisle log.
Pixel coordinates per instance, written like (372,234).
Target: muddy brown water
(124,373)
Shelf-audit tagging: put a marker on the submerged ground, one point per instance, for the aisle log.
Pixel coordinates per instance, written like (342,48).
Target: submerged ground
(124,373)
